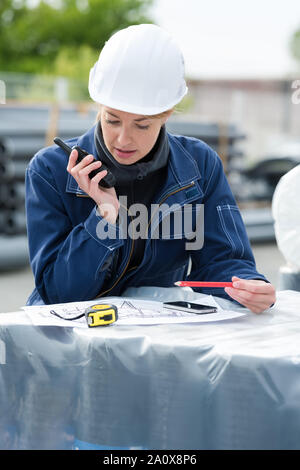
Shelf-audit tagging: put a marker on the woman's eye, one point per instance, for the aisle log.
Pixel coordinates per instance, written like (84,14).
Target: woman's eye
(111,122)
(114,123)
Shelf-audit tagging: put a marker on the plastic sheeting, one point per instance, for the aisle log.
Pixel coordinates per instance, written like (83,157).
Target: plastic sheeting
(289,278)
(226,385)
(286,209)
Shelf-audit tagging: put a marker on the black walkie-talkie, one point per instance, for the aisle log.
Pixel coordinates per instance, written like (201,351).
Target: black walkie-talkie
(107,182)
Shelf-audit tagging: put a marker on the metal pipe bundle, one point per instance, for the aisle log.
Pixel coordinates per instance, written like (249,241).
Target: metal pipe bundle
(13,234)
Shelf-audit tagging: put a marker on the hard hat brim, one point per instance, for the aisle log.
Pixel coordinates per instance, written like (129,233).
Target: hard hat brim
(133,108)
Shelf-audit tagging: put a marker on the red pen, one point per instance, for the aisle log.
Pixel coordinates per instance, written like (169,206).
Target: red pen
(202,284)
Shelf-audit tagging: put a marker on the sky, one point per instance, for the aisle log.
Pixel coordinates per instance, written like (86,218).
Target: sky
(232,38)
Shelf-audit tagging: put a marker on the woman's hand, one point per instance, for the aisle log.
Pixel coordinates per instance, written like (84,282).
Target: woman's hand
(105,198)
(253,294)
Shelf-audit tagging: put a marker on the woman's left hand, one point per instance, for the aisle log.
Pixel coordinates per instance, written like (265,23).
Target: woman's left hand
(256,295)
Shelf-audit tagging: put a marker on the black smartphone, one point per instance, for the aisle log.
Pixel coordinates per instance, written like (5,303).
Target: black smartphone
(107,182)
(190,307)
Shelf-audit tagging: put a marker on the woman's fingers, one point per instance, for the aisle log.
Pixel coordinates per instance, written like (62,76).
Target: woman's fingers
(74,167)
(105,198)
(94,184)
(80,171)
(252,285)
(254,294)
(246,296)
(255,306)
(72,160)
(90,167)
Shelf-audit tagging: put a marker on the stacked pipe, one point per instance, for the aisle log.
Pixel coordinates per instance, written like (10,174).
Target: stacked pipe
(25,129)
(13,241)
(12,196)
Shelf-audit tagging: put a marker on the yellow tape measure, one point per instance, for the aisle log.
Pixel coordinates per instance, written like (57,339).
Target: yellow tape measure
(101,315)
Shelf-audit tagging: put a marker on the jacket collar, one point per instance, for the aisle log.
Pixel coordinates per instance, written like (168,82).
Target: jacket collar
(182,163)
(150,164)
(183,169)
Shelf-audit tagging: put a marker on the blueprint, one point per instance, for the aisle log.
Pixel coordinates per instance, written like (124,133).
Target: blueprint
(130,312)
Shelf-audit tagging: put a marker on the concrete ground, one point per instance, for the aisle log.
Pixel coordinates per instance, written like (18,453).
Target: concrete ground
(15,286)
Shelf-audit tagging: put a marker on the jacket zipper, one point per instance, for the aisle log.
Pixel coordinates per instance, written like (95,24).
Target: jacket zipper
(168,195)
(132,245)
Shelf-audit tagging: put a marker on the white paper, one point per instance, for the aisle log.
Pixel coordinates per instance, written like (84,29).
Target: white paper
(130,312)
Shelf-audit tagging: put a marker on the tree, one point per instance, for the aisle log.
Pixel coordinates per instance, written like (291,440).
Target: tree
(295,45)
(62,35)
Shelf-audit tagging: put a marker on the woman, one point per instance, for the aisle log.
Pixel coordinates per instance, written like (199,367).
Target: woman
(76,226)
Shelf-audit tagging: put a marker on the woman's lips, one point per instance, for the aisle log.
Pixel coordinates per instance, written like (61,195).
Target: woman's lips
(124,153)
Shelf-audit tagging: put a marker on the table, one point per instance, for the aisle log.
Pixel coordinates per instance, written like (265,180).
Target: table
(226,385)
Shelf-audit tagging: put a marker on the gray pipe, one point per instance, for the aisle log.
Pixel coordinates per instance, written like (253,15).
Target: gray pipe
(13,252)
(13,222)
(12,195)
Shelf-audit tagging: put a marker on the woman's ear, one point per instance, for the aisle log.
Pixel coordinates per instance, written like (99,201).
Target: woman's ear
(165,118)
(98,117)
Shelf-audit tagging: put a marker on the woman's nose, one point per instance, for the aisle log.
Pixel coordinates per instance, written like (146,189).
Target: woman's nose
(124,137)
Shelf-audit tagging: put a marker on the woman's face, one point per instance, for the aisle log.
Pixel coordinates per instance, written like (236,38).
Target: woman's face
(129,137)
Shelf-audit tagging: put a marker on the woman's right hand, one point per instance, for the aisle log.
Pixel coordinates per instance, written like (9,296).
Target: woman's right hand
(105,198)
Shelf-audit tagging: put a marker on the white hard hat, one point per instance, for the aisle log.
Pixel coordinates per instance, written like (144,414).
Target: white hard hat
(140,70)
(286,210)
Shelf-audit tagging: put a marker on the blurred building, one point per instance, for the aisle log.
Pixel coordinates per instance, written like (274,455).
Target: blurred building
(263,109)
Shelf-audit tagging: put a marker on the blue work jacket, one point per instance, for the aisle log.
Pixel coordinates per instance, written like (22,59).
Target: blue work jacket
(69,260)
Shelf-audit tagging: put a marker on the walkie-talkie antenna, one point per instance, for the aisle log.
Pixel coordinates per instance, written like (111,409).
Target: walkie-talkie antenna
(62,144)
